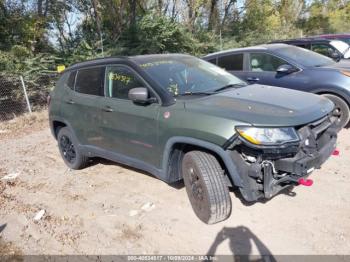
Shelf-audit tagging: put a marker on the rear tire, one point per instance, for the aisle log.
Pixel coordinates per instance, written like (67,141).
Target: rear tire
(69,149)
(206,187)
(341,110)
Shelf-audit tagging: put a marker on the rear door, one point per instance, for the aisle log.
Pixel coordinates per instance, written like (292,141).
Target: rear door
(82,104)
(127,128)
(233,63)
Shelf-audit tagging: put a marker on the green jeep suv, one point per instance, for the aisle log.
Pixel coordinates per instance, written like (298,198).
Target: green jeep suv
(179,117)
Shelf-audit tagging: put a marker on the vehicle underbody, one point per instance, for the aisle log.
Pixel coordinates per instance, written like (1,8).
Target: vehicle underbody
(265,171)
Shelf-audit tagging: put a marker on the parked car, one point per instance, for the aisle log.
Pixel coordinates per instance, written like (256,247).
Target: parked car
(179,117)
(291,67)
(334,49)
(342,37)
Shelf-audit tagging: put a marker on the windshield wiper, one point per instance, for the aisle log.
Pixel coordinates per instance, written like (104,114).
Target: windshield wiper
(195,93)
(230,86)
(189,93)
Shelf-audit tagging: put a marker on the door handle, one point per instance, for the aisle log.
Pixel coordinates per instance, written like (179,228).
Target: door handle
(71,102)
(108,109)
(253,79)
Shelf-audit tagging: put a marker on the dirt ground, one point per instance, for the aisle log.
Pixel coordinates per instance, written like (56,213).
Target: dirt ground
(111,209)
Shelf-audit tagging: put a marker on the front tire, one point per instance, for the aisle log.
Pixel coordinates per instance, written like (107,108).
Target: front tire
(206,187)
(69,150)
(341,110)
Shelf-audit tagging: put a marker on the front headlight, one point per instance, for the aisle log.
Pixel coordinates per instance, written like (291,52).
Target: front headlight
(268,136)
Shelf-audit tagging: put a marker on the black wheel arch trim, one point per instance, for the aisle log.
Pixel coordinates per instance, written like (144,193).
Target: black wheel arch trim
(223,154)
(62,120)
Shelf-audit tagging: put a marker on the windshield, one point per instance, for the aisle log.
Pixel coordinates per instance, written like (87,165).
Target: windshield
(303,56)
(341,47)
(181,75)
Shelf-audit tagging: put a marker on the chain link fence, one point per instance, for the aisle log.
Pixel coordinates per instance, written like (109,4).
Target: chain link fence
(20,95)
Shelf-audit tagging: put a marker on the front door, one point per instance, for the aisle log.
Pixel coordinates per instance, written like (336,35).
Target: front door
(128,128)
(263,70)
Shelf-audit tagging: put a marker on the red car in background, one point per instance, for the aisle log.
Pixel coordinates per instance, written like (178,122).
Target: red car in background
(342,37)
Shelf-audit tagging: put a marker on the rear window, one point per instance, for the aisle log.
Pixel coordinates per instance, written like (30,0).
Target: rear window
(231,62)
(71,80)
(90,81)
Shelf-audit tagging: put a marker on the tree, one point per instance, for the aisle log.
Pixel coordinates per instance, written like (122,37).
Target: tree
(158,34)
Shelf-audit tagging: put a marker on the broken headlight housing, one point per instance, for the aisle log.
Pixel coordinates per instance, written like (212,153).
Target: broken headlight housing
(268,136)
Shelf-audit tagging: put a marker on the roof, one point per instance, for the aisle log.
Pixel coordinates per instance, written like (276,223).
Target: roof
(153,57)
(343,35)
(97,61)
(271,46)
(115,59)
(301,40)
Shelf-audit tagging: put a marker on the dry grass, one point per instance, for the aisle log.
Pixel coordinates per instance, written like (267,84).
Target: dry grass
(24,124)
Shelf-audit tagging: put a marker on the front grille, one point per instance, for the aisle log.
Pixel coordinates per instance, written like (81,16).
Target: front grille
(316,134)
(317,142)
(318,127)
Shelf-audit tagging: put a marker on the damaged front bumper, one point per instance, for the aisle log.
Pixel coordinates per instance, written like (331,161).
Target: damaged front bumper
(265,171)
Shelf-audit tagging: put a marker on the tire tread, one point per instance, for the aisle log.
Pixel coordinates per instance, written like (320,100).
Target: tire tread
(214,179)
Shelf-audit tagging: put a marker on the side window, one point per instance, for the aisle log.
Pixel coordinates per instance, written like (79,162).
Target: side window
(90,81)
(71,80)
(323,49)
(260,62)
(231,62)
(306,46)
(119,80)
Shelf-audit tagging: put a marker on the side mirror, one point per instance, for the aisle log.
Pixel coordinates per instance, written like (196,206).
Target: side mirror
(140,95)
(286,69)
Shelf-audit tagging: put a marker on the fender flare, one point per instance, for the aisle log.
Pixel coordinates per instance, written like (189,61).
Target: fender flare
(60,119)
(224,155)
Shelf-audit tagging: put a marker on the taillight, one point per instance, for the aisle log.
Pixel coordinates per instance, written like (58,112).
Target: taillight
(48,100)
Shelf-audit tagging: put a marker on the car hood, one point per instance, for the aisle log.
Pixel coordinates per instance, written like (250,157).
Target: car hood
(262,105)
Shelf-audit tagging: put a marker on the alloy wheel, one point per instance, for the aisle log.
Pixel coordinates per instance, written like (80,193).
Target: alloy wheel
(67,148)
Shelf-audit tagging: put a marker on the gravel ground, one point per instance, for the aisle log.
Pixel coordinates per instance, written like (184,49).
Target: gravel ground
(111,209)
